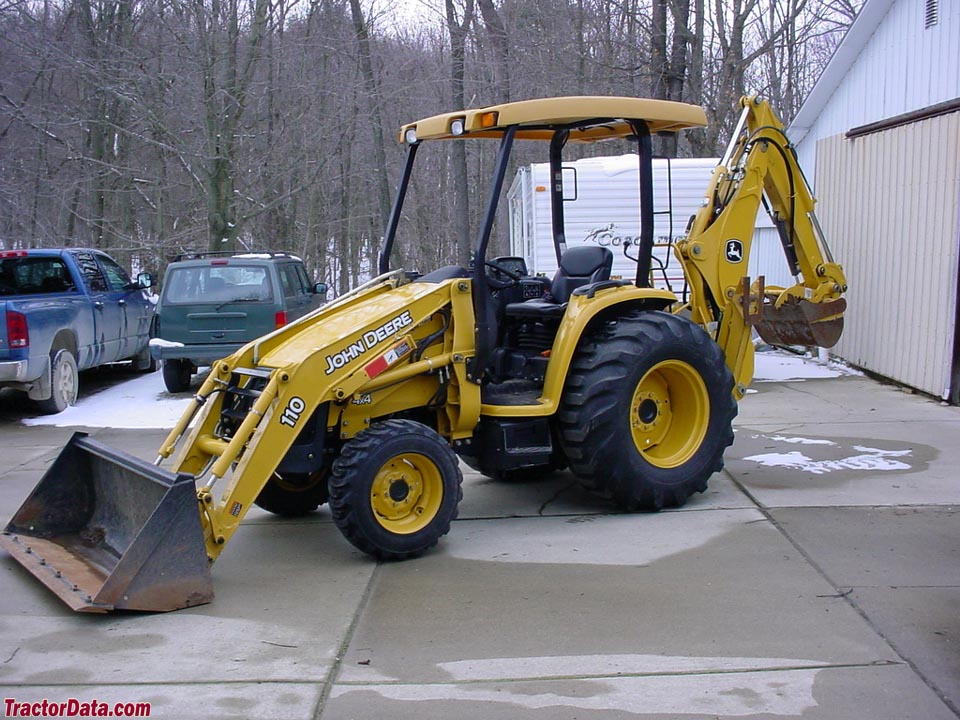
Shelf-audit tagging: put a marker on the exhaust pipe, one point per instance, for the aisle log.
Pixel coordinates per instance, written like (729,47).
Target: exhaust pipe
(108,531)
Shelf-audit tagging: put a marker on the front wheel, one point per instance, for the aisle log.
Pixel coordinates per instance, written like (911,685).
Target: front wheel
(647,411)
(395,489)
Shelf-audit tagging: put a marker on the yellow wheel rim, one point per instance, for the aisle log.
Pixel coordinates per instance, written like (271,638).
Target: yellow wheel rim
(406,493)
(669,413)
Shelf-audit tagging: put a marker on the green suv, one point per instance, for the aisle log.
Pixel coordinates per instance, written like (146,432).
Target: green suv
(214,303)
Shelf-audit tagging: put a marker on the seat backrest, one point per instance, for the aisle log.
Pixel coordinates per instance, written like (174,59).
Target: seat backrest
(579,266)
(52,283)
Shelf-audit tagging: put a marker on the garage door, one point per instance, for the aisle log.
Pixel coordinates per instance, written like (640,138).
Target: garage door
(889,205)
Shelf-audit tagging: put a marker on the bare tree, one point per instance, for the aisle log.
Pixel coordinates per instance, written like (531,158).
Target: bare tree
(458,158)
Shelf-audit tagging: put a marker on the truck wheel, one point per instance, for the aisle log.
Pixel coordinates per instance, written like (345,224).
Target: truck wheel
(176,375)
(295,495)
(395,488)
(64,381)
(647,411)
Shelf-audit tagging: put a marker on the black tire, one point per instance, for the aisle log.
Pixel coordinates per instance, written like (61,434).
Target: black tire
(647,410)
(295,495)
(176,375)
(64,383)
(395,489)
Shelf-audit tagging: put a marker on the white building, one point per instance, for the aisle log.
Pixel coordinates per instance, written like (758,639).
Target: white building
(879,137)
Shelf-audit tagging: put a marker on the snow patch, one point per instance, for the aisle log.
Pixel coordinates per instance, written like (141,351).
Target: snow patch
(872,459)
(780,366)
(142,402)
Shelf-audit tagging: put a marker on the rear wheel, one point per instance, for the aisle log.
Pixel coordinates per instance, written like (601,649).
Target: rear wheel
(176,375)
(647,411)
(395,488)
(64,383)
(294,494)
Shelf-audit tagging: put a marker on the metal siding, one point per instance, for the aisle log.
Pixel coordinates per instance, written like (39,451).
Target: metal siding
(767,258)
(889,205)
(903,67)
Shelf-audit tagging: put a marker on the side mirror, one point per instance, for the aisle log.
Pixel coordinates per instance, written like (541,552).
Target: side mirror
(145,280)
(320,289)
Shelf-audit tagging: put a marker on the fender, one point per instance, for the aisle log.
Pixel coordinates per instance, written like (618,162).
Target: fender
(582,310)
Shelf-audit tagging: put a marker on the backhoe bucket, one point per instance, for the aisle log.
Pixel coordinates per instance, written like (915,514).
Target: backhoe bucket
(105,530)
(801,322)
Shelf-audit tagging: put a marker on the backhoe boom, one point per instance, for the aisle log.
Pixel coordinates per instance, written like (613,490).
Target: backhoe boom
(760,168)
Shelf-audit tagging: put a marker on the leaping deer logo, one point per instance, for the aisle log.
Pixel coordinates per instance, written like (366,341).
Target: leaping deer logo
(734,251)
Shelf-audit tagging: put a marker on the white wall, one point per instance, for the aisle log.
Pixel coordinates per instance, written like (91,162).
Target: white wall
(888,64)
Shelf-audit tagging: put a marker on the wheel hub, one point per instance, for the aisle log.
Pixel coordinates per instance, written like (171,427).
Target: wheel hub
(648,411)
(406,493)
(669,413)
(399,490)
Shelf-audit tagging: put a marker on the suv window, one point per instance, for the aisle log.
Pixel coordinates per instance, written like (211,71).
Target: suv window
(291,280)
(217,283)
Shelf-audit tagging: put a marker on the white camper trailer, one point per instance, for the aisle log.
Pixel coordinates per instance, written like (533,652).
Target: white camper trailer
(601,207)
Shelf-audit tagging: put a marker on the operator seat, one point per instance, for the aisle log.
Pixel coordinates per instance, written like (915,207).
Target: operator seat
(579,266)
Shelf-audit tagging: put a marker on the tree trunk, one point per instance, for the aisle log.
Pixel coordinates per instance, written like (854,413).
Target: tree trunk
(458,154)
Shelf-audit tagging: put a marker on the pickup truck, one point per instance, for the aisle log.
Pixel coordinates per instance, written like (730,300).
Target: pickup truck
(66,310)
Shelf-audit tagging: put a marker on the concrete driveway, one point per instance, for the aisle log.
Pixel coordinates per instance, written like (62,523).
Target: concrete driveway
(817,578)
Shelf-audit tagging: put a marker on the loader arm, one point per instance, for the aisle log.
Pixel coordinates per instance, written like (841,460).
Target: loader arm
(760,168)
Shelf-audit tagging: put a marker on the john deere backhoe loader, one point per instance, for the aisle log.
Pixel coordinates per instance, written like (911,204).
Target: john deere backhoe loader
(369,401)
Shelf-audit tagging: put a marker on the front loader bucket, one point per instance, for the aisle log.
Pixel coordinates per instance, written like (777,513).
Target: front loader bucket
(105,530)
(801,322)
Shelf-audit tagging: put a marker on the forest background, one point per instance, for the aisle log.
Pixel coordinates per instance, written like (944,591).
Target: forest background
(153,127)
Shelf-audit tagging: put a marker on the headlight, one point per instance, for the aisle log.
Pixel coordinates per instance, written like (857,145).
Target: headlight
(410,137)
(456,127)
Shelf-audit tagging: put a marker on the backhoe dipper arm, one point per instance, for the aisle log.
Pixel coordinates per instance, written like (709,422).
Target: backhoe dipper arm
(760,167)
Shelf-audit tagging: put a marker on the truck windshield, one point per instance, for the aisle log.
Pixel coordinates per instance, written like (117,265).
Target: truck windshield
(218,284)
(33,276)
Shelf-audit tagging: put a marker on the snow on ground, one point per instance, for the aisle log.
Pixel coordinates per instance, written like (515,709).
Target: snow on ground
(781,366)
(143,402)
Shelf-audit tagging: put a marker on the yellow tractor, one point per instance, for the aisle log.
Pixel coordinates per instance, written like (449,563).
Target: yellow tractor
(369,401)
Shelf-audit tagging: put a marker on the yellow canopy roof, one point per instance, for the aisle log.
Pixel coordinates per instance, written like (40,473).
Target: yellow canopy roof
(531,115)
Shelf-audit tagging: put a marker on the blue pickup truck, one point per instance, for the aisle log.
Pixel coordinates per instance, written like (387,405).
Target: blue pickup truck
(65,310)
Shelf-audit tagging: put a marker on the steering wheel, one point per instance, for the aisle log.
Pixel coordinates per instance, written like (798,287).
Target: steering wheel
(498,284)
